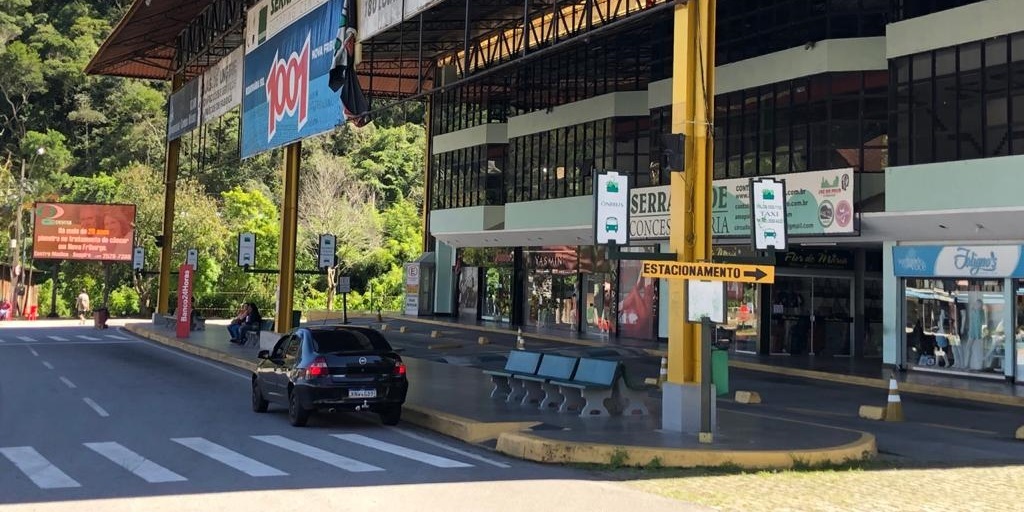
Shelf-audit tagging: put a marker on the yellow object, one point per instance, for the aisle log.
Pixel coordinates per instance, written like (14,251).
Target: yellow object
(871,412)
(894,406)
(693,89)
(170,187)
(663,373)
(482,340)
(709,271)
(289,230)
(748,397)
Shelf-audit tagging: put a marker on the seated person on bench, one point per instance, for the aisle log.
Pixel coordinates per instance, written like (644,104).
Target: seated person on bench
(248,319)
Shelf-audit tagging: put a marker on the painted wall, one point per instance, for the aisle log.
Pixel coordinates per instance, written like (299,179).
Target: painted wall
(616,104)
(473,218)
(892,305)
(492,133)
(973,22)
(445,257)
(977,183)
(550,213)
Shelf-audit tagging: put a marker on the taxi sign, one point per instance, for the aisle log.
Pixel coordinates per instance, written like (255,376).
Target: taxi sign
(709,271)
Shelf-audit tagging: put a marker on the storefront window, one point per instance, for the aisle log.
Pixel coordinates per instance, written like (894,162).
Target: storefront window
(1018,337)
(955,324)
(551,287)
(636,301)
(742,325)
(598,275)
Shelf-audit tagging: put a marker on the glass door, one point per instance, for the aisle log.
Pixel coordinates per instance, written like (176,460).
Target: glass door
(497,290)
(832,319)
(791,315)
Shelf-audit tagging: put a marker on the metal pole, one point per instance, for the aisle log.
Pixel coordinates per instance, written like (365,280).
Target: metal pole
(15,246)
(170,187)
(344,308)
(53,291)
(706,433)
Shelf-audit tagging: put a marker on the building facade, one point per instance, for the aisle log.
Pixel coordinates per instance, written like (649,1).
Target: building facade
(895,125)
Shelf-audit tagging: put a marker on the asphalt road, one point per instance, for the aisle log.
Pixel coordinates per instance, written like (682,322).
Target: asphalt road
(100,420)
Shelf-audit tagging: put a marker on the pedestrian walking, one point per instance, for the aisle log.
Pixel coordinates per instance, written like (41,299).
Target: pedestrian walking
(82,306)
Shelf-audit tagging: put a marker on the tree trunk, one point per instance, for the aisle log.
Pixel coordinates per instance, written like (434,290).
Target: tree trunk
(331,286)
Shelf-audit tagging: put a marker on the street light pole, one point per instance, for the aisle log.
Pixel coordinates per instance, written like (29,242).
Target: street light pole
(17,272)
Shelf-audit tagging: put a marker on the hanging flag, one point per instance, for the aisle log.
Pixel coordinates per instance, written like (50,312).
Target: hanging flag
(343,72)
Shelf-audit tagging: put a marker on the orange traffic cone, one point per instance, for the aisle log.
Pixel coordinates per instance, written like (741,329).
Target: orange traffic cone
(894,408)
(663,374)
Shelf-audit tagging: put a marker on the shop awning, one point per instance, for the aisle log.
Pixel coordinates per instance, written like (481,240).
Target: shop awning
(944,225)
(572,235)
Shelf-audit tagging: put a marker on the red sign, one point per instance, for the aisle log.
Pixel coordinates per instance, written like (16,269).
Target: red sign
(184,313)
(287,88)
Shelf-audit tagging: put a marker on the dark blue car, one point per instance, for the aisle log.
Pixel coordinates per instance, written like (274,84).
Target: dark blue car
(341,368)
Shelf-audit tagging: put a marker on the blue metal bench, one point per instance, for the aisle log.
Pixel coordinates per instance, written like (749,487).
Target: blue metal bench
(518,363)
(539,389)
(592,384)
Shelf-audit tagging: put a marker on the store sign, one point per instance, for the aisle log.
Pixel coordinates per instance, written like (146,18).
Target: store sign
(649,213)
(412,289)
(817,203)
(376,16)
(183,110)
(768,214)
(612,209)
(972,261)
(287,97)
(222,86)
(817,258)
(268,17)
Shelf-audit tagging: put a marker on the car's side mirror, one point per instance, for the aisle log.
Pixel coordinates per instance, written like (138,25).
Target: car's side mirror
(264,354)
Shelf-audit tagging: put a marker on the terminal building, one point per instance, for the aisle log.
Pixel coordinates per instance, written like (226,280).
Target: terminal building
(897,126)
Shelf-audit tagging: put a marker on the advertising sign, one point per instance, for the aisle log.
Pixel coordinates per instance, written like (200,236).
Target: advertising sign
(412,289)
(376,16)
(768,213)
(266,18)
(222,86)
(87,232)
(648,213)
(971,261)
(344,284)
(327,249)
(286,95)
(192,259)
(183,110)
(612,209)
(817,203)
(138,258)
(183,315)
(705,299)
(247,249)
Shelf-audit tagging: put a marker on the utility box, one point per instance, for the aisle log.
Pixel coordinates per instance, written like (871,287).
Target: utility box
(720,370)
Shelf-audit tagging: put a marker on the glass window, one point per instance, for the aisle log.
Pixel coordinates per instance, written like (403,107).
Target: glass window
(743,302)
(955,324)
(349,340)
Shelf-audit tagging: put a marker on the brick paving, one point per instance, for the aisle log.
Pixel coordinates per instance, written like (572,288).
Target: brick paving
(876,490)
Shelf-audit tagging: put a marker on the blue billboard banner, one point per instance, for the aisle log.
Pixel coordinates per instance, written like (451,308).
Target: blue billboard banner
(971,261)
(287,96)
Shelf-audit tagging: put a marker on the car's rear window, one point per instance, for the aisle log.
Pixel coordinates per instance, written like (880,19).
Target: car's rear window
(346,340)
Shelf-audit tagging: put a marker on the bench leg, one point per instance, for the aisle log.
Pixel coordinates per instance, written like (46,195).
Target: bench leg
(552,397)
(516,393)
(595,403)
(633,402)
(501,387)
(534,393)
(572,400)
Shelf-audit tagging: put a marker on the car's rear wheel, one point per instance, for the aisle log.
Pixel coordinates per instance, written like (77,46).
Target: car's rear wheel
(259,404)
(297,415)
(391,415)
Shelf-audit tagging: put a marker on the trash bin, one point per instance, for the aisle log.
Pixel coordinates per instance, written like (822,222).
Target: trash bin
(100,317)
(720,370)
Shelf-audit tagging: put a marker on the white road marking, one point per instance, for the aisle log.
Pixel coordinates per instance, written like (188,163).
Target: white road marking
(229,457)
(316,453)
(402,451)
(28,339)
(57,338)
(452,449)
(115,337)
(246,376)
(30,349)
(84,337)
(68,382)
(137,464)
(47,365)
(37,468)
(96,407)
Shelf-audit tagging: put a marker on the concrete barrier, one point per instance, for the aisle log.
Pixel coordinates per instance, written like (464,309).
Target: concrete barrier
(482,340)
(748,397)
(435,334)
(1020,433)
(871,412)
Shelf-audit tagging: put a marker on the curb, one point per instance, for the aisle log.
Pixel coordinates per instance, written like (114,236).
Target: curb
(514,441)
(530,447)
(854,380)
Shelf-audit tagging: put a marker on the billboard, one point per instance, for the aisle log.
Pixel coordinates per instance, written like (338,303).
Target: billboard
(287,96)
(222,87)
(87,232)
(265,19)
(376,16)
(183,110)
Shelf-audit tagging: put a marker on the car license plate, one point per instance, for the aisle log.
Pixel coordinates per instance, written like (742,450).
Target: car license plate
(362,393)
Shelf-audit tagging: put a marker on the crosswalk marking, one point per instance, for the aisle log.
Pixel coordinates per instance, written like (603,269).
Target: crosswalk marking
(316,453)
(29,339)
(229,457)
(402,451)
(452,449)
(44,474)
(137,464)
(57,338)
(115,337)
(96,407)
(67,382)
(47,365)
(84,337)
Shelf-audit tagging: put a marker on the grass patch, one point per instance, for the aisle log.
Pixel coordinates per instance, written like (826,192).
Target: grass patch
(618,459)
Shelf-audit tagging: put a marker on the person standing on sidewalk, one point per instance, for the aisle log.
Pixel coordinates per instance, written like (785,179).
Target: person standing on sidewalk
(82,306)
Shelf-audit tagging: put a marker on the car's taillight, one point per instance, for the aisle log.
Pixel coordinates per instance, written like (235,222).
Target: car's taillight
(400,369)
(318,368)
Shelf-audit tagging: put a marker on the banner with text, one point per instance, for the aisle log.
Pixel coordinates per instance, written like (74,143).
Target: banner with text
(975,261)
(183,110)
(266,18)
(222,86)
(287,97)
(817,203)
(376,16)
(88,232)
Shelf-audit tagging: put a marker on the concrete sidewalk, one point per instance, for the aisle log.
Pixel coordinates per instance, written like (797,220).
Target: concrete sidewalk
(454,400)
